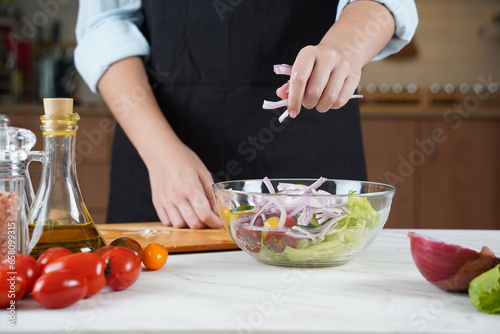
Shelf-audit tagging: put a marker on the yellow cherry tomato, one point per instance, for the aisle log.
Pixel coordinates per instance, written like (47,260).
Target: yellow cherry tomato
(154,256)
(270,222)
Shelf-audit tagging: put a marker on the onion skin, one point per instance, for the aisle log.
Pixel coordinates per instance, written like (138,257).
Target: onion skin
(449,267)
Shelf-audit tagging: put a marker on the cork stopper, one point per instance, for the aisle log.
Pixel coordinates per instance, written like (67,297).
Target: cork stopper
(59,106)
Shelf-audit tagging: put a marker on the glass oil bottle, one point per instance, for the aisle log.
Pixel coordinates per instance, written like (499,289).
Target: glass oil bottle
(58,215)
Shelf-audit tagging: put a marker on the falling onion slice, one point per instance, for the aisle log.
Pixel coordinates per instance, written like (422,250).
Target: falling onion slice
(449,267)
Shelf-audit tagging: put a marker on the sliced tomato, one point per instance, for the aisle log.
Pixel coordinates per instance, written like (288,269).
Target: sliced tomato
(250,240)
(278,241)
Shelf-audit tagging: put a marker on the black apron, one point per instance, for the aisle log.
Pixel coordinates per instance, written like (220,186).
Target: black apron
(211,67)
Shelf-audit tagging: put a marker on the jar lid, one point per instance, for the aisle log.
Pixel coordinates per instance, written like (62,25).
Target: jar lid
(15,143)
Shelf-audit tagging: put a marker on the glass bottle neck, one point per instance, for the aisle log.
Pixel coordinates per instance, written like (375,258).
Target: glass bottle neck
(59,157)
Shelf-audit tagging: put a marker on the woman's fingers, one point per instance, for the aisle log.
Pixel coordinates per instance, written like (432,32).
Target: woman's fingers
(322,78)
(182,193)
(301,71)
(282,92)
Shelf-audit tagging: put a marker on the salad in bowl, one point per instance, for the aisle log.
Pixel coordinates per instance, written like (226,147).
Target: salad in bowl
(303,222)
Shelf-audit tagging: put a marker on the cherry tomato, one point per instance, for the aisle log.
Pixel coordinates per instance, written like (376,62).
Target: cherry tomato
(51,254)
(123,267)
(12,286)
(60,288)
(26,265)
(277,241)
(89,265)
(290,222)
(250,240)
(129,243)
(101,250)
(154,256)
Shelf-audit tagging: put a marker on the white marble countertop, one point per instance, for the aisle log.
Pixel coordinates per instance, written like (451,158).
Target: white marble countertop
(229,292)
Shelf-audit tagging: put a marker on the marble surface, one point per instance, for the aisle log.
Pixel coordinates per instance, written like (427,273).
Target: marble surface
(228,292)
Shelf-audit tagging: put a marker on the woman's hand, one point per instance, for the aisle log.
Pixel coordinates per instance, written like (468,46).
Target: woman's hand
(181,190)
(322,78)
(325,76)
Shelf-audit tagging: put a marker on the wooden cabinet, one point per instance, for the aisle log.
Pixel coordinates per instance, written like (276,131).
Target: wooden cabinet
(460,182)
(93,156)
(447,175)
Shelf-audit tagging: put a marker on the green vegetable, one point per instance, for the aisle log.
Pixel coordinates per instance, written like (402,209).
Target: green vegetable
(360,210)
(484,291)
(243,208)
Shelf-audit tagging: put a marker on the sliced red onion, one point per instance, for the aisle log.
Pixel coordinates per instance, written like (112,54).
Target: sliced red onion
(282,210)
(274,104)
(301,230)
(267,229)
(327,213)
(283,116)
(315,185)
(297,235)
(264,207)
(299,207)
(269,185)
(283,69)
(305,217)
(242,219)
(329,225)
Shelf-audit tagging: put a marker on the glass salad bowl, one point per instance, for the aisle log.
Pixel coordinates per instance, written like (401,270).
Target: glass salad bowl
(303,222)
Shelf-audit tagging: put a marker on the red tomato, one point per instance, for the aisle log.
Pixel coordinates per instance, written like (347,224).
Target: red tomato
(277,241)
(154,256)
(290,222)
(101,250)
(129,243)
(89,265)
(51,254)
(25,264)
(123,267)
(59,289)
(250,240)
(13,286)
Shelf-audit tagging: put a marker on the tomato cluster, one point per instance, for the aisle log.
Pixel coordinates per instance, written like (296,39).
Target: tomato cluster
(60,278)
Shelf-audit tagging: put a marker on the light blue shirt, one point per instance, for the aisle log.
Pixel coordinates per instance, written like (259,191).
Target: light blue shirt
(107,31)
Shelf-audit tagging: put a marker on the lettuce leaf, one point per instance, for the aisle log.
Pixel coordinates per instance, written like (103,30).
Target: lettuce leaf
(484,291)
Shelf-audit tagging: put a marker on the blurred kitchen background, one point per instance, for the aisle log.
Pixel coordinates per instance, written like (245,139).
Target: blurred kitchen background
(446,82)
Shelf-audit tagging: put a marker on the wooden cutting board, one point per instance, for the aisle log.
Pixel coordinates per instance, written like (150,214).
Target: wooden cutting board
(175,240)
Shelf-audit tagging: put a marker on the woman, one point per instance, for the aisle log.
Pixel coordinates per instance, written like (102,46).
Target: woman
(185,81)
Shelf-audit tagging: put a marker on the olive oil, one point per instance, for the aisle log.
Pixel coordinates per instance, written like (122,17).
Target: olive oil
(77,238)
(58,215)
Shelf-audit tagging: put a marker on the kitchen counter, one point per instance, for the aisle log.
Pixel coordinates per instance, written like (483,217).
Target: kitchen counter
(229,292)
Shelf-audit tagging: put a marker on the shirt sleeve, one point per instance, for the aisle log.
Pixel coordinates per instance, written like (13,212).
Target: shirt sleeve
(107,31)
(406,19)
